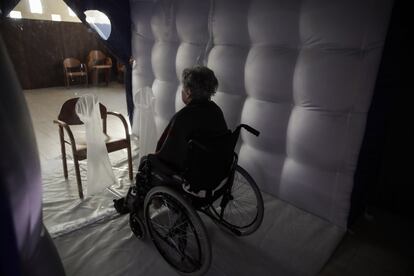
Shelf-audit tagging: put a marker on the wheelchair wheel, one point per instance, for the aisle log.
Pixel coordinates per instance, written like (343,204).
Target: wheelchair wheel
(242,209)
(177,231)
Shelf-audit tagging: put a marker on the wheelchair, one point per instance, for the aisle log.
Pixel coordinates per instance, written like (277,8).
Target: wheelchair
(170,209)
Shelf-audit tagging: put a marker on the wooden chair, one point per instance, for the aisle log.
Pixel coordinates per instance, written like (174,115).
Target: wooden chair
(68,117)
(73,68)
(98,62)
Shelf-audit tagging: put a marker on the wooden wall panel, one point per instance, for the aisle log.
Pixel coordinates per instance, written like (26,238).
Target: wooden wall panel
(37,49)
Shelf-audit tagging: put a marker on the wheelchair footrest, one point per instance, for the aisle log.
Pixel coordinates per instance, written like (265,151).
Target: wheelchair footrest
(120,206)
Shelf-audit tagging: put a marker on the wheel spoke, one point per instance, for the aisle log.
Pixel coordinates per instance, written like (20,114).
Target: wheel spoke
(176,235)
(173,245)
(245,209)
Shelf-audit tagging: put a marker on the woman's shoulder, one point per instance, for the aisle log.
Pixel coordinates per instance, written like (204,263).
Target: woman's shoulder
(210,104)
(195,108)
(184,113)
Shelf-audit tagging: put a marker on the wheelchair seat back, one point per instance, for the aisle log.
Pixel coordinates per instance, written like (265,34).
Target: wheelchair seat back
(209,160)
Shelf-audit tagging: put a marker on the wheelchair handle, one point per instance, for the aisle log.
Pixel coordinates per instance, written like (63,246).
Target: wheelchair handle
(250,129)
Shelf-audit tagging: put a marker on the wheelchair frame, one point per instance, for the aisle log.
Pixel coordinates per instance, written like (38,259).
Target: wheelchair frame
(188,205)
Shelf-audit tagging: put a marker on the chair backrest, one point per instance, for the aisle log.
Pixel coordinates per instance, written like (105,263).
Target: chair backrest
(71,63)
(68,114)
(209,160)
(95,57)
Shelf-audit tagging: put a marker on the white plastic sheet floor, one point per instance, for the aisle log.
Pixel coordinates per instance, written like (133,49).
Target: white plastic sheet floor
(92,238)
(288,243)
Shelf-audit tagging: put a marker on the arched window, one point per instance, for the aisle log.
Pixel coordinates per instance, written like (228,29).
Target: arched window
(99,22)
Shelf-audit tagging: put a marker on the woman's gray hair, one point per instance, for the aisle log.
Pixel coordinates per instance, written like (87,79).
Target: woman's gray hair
(201,81)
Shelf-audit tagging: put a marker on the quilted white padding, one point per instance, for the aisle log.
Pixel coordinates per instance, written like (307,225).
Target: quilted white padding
(301,72)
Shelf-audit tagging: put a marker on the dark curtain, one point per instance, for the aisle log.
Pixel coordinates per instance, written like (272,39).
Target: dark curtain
(381,175)
(6,6)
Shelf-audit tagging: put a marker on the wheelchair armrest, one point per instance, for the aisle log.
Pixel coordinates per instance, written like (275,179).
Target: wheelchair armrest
(253,131)
(249,129)
(236,132)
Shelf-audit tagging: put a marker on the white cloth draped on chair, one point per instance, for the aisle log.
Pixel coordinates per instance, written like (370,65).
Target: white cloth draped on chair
(143,124)
(100,174)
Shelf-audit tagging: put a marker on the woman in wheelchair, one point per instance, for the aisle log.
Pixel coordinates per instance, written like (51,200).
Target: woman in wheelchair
(194,169)
(200,118)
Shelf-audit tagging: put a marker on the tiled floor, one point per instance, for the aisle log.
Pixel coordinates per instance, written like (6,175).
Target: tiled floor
(377,244)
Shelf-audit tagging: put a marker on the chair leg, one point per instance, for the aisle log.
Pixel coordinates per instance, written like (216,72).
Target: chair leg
(63,150)
(107,72)
(78,177)
(131,176)
(95,77)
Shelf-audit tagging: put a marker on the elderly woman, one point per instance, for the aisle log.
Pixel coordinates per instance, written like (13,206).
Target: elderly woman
(200,118)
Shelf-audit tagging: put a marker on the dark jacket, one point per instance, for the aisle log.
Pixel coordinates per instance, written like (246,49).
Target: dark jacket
(197,119)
